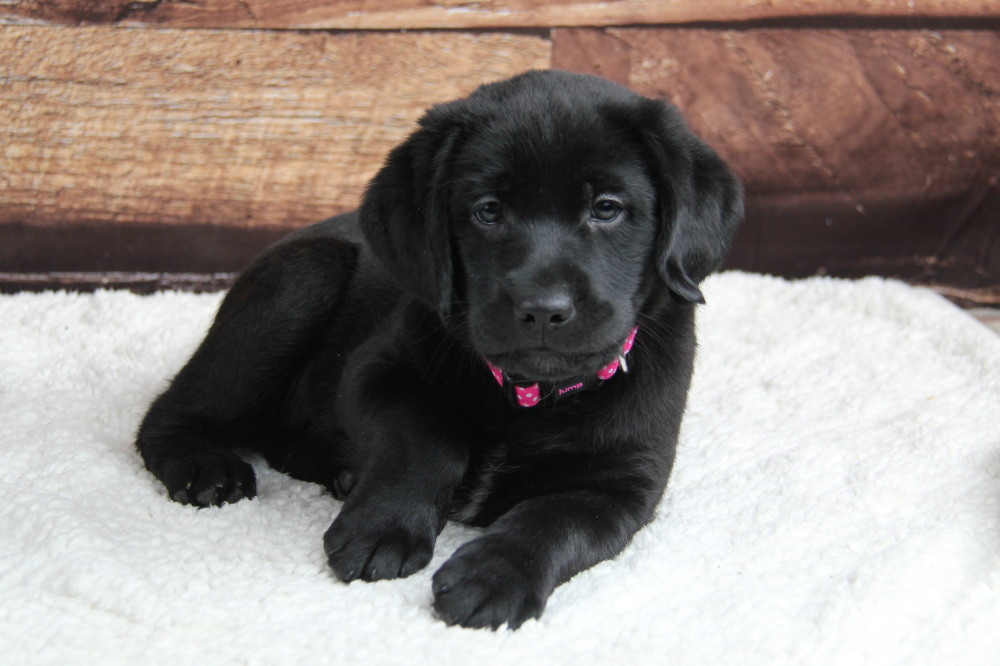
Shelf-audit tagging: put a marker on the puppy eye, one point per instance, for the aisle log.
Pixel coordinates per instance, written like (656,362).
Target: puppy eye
(606,210)
(488,212)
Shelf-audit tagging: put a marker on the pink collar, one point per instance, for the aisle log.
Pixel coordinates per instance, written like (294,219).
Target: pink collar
(528,393)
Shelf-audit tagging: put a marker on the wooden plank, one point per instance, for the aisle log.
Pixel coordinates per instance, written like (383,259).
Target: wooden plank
(857,147)
(886,113)
(464,14)
(103,125)
(128,247)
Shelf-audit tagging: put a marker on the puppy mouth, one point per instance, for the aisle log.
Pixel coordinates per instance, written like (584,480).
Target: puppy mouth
(548,364)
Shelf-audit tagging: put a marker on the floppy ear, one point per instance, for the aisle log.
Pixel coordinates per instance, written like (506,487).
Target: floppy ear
(701,202)
(404,213)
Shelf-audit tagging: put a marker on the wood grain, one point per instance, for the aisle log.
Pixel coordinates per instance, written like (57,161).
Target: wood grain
(895,113)
(104,125)
(864,151)
(856,146)
(464,14)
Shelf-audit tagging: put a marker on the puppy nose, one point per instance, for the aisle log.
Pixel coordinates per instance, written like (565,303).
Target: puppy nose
(551,309)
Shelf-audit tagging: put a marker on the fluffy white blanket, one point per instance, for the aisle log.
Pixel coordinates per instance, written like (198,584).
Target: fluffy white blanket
(836,500)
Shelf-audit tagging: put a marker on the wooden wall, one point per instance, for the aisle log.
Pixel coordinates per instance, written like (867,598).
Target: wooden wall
(161,143)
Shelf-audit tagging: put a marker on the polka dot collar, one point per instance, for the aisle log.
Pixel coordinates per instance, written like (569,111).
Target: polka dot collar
(528,394)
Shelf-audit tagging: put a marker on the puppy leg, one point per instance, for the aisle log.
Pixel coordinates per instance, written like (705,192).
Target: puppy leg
(230,392)
(507,575)
(409,458)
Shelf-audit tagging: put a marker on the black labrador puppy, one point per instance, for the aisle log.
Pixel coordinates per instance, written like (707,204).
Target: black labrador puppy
(502,335)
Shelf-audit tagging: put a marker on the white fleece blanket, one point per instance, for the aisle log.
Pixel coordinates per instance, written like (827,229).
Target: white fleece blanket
(836,500)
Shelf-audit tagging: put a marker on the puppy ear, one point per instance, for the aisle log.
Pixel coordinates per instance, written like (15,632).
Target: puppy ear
(404,213)
(701,202)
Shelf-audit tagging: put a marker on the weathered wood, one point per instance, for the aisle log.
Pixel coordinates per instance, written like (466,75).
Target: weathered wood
(592,51)
(864,151)
(420,14)
(234,127)
(856,146)
(886,113)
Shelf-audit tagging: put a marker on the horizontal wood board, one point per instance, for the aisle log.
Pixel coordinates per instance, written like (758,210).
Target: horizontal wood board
(103,125)
(473,14)
(861,150)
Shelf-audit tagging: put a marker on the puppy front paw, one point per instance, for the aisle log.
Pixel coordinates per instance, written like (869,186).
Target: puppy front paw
(378,543)
(487,583)
(207,478)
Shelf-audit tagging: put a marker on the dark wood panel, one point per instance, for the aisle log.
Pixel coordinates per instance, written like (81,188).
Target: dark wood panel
(775,239)
(945,242)
(788,238)
(890,113)
(862,150)
(463,14)
(131,248)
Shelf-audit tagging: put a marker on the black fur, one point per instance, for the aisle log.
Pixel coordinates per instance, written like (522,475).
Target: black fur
(533,224)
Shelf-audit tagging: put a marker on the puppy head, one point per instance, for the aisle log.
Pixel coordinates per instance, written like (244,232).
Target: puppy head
(543,212)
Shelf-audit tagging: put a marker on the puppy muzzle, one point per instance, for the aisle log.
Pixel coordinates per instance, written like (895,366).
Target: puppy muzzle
(528,393)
